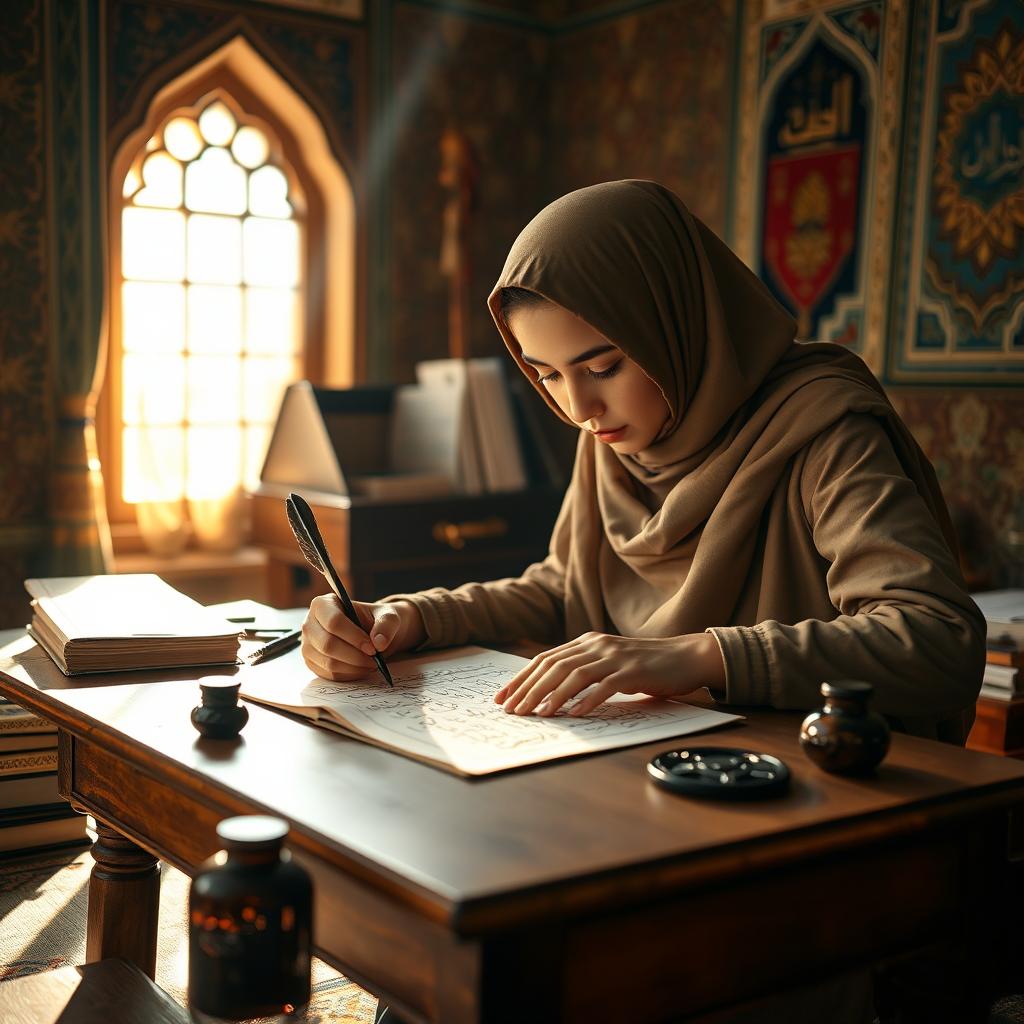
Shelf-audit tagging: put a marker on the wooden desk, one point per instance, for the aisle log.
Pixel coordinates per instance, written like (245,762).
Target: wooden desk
(567,892)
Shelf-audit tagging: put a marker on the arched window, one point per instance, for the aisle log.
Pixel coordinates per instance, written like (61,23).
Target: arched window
(232,273)
(211,266)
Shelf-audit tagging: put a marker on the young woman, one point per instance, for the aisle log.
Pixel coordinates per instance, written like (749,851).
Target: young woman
(746,512)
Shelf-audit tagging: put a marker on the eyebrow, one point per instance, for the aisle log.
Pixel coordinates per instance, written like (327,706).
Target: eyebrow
(581,358)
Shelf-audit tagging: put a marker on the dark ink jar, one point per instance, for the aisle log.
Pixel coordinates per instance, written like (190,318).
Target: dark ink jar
(219,716)
(844,736)
(250,913)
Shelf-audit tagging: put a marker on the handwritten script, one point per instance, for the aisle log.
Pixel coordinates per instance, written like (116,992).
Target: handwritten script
(442,710)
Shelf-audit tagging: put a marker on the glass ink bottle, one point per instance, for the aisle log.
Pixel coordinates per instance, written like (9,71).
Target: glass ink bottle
(844,737)
(250,926)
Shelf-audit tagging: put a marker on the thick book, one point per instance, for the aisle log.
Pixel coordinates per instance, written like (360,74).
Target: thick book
(27,741)
(999,693)
(27,762)
(35,828)
(441,711)
(1004,677)
(29,790)
(124,622)
(15,720)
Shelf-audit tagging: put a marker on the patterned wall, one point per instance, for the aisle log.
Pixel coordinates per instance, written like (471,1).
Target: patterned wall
(815,178)
(149,43)
(958,308)
(976,444)
(935,253)
(647,94)
(486,79)
(25,374)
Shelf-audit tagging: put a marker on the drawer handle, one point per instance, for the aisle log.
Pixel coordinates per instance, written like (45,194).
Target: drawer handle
(455,535)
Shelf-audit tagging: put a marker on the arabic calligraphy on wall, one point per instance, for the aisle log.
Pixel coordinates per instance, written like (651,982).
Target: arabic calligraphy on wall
(815,136)
(809,215)
(958,299)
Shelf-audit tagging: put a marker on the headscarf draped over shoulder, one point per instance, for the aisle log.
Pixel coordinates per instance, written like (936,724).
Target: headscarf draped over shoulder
(681,536)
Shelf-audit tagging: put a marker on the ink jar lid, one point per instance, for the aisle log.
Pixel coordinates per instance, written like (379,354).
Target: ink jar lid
(219,691)
(851,689)
(252,831)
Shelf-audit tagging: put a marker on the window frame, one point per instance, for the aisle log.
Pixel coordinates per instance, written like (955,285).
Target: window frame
(188,97)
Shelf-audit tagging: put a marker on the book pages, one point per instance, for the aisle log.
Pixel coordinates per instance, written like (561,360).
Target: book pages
(441,710)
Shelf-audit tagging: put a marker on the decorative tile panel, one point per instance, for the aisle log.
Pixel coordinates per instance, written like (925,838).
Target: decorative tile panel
(958,265)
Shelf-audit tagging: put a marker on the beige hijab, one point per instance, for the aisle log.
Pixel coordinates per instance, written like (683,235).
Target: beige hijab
(702,528)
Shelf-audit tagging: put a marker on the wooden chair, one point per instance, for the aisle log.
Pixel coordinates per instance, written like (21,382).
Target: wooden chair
(105,992)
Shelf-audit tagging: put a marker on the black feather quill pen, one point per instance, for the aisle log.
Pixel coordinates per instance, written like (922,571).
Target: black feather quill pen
(313,548)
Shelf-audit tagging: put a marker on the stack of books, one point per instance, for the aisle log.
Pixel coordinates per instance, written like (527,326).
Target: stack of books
(459,429)
(32,814)
(1004,660)
(125,622)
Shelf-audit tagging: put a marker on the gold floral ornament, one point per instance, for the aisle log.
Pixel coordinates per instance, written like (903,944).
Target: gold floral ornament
(809,247)
(980,232)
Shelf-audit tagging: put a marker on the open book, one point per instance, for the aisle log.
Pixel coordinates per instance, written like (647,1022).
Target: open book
(442,711)
(122,622)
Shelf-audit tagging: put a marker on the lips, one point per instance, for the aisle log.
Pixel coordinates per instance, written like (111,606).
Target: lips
(608,436)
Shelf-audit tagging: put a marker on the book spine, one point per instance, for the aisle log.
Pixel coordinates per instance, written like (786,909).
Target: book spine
(10,725)
(1000,675)
(28,762)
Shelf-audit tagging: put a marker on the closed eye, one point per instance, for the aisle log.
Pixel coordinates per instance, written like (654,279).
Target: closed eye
(554,375)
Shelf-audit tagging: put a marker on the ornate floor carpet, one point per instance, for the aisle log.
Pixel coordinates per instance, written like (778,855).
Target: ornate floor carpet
(43,902)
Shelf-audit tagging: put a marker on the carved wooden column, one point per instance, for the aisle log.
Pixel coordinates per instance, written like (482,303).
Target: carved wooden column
(124,899)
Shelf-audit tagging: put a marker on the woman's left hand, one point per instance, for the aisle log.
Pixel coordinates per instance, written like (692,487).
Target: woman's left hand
(663,667)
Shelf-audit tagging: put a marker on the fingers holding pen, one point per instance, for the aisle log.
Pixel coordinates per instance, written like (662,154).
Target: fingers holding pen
(336,650)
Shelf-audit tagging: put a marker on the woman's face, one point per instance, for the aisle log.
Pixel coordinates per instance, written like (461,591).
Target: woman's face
(594,383)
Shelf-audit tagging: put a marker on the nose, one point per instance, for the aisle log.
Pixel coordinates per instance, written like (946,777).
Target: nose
(583,401)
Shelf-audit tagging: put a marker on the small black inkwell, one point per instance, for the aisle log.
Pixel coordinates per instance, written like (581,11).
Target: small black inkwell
(720,773)
(219,716)
(844,736)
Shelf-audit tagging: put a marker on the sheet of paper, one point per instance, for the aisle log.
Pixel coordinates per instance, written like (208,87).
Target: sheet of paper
(442,709)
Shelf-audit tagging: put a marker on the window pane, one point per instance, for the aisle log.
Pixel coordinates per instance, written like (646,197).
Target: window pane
(154,464)
(217,124)
(162,176)
(214,249)
(214,461)
(271,321)
(268,193)
(153,244)
(182,139)
(153,317)
(250,147)
(215,183)
(214,389)
(256,440)
(271,252)
(264,382)
(132,184)
(153,389)
(214,319)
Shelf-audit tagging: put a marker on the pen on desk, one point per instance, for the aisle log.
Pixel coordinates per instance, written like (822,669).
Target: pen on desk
(276,647)
(307,534)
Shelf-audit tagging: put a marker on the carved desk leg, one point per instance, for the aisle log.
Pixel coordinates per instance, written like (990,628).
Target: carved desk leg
(124,898)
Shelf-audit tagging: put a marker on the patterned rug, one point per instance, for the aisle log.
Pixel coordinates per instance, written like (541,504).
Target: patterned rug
(43,903)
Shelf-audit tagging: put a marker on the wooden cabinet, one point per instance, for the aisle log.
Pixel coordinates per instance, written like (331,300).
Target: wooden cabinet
(386,547)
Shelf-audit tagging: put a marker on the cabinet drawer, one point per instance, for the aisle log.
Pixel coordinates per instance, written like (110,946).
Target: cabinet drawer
(495,525)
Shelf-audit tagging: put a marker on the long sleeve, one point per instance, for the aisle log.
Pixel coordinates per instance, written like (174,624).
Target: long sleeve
(530,606)
(904,622)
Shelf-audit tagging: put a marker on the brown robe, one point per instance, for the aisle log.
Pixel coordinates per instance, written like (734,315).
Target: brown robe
(785,508)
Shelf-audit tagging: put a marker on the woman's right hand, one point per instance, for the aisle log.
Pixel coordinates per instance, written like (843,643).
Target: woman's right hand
(335,648)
